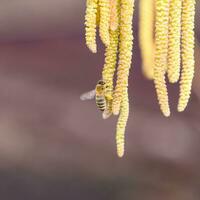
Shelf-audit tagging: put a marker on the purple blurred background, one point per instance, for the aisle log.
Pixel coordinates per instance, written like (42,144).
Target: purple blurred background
(53,146)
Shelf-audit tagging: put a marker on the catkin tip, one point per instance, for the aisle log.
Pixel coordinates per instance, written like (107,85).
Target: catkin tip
(92,48)
(120,154)
(181,108)
(166,113)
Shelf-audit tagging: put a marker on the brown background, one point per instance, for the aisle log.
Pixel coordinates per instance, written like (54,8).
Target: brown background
(53,146)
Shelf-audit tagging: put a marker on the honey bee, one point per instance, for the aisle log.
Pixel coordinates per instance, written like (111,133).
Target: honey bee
(101,100)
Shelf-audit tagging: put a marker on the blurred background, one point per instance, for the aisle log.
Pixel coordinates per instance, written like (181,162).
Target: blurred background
(53,146)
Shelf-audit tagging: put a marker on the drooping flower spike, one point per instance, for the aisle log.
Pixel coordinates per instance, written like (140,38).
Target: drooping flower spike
(174,39)
(187,44)
(146,36)
(114,14)
(90,24)
(120,97)
(125,53)
(111,54)
(121,124)
(161,47)
(104,23)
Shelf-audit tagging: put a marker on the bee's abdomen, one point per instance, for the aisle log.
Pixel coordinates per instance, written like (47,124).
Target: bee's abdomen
(101,102)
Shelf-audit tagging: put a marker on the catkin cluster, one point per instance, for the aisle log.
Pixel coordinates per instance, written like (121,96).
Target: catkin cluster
(170,43)
(166,37)
(114,20)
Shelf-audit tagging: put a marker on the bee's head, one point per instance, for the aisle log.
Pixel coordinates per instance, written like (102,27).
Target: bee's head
(101,82)
(100,87)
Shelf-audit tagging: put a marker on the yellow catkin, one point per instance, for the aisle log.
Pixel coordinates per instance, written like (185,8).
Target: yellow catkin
(114,17)
(90,24)
(161,44)
(146,31)
(110,65)
(111,56)
(125,53)
(98,15)
(121,125)
(173,68)
(104,21)
(187,42)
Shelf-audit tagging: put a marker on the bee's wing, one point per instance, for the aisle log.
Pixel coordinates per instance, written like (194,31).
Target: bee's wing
(106,114)
(88,95)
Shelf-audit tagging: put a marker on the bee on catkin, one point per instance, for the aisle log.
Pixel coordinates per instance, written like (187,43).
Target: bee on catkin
(99,93)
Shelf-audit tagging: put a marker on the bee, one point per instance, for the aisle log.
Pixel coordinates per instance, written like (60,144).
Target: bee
(99,93)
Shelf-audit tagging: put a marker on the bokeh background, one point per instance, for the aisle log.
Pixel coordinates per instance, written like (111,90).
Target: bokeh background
(55,147)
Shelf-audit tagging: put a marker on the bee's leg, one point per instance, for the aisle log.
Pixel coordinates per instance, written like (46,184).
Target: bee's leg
(106,113)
